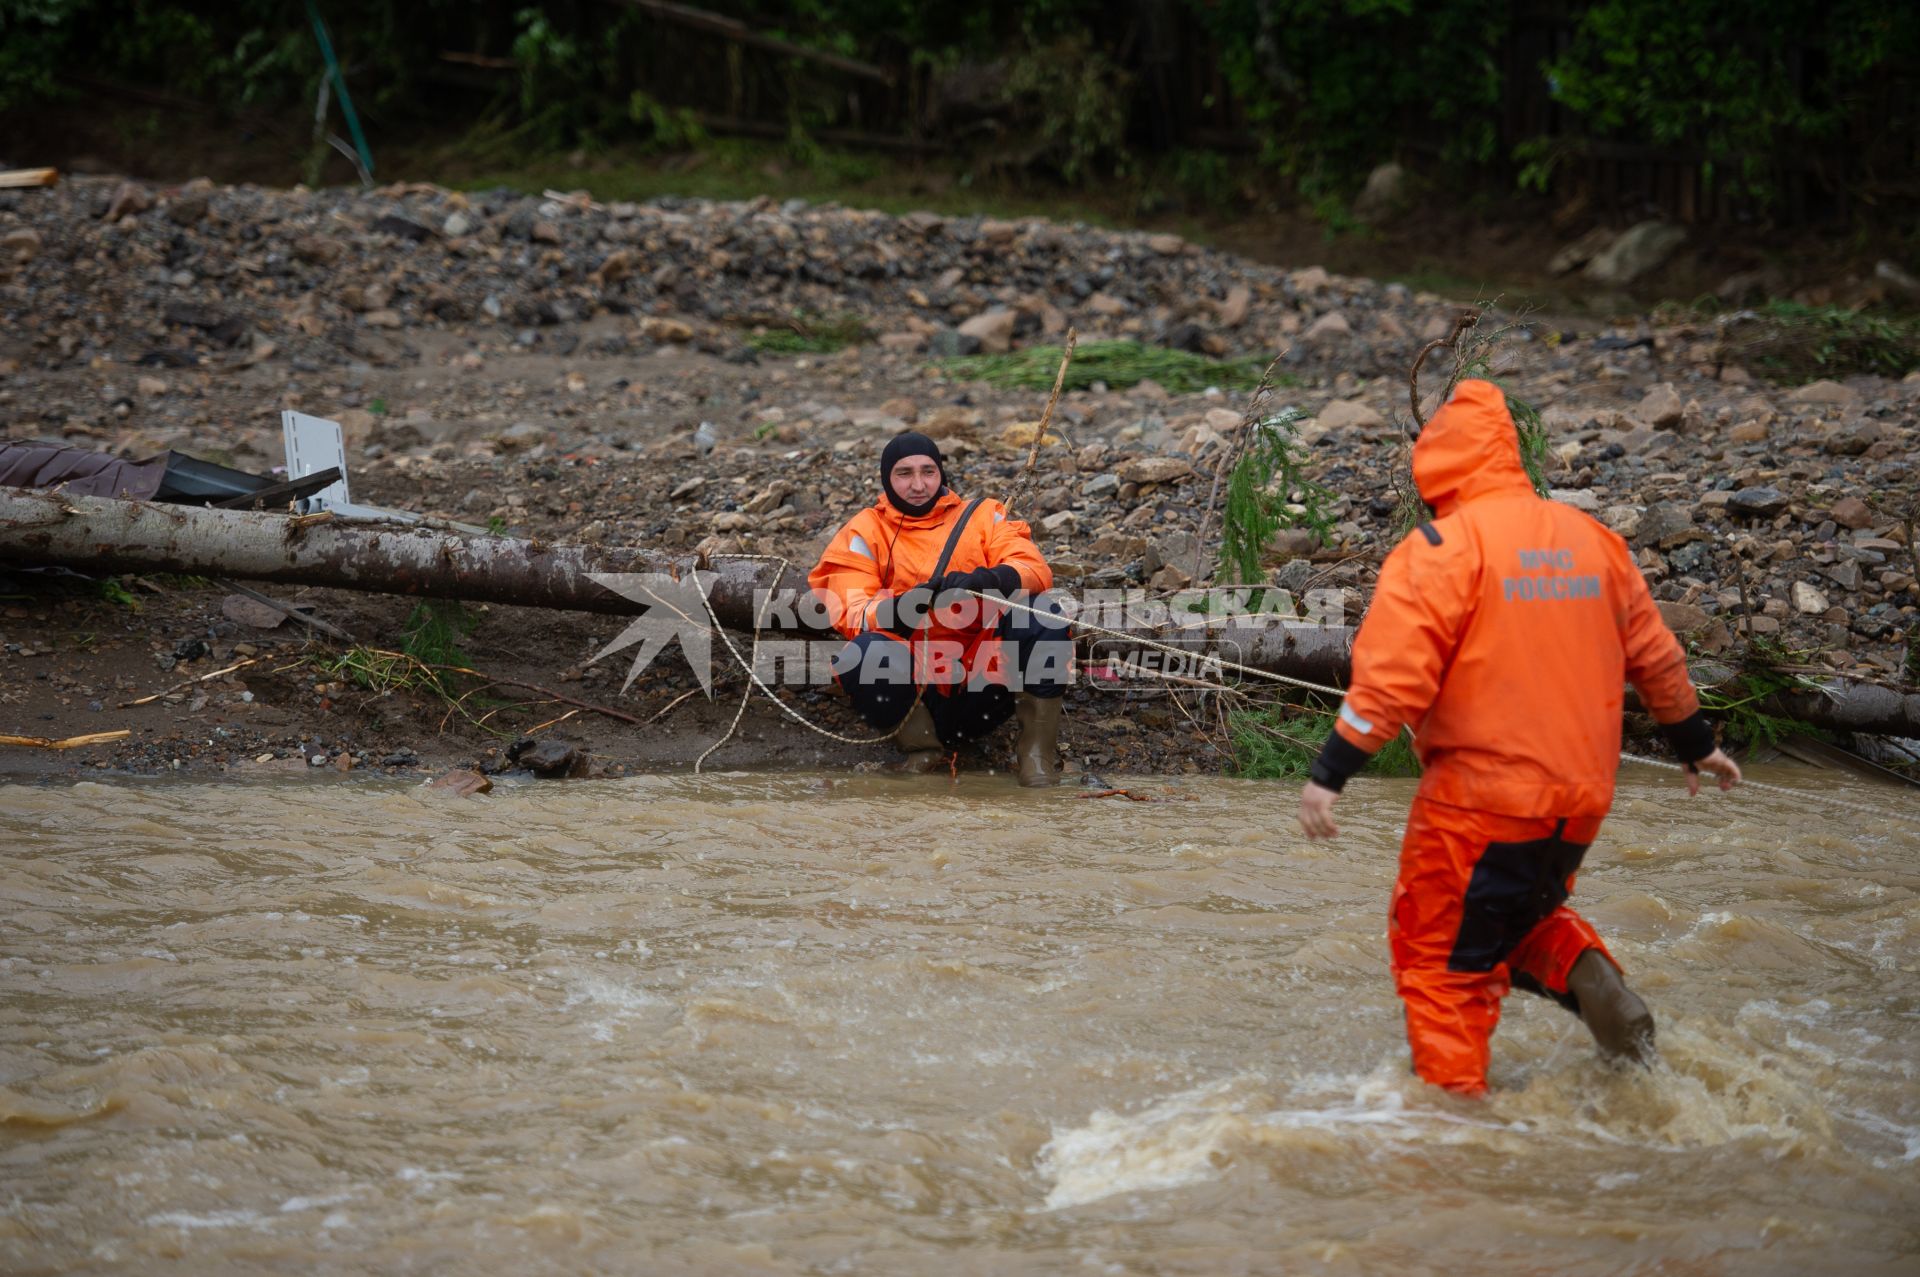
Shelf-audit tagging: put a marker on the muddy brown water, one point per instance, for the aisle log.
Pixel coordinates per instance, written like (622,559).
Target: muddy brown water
(807,1024)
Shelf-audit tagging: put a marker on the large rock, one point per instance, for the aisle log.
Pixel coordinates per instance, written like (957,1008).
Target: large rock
(1623,519)
(1332,326)
(1851,438)
(22,244)
(993,329)
(1638,250)
(1581,251)
(1826,392)
(1342,413)
(1662,407)
(1662,521)
(1233,311)
(1890,273)
(1683,618)
(1154,470)
(129,199)
(1808,600)
(1762,502)
(1383,195)
(1851,513)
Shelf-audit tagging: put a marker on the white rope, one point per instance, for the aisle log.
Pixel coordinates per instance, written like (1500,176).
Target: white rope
(1846,804)
(1141,641)
(748,664)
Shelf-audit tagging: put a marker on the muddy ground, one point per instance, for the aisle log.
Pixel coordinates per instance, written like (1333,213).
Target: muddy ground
(575,372)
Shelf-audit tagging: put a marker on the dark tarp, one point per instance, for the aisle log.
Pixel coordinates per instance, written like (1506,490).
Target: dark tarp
(76,470)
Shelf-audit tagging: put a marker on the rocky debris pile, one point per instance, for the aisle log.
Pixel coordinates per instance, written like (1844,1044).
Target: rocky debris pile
(557,368)
(228,274)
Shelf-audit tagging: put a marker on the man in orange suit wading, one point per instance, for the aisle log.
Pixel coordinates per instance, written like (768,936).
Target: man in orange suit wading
(1503,633)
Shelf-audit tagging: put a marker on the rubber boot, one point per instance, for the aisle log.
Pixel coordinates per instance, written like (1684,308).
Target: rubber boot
(917,737)
(1036,755)
(1614,1014)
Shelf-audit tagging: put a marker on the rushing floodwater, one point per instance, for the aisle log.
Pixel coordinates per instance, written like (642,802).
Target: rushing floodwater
(796,1024)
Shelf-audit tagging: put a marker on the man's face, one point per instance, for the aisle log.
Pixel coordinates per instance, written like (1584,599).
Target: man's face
(916,480)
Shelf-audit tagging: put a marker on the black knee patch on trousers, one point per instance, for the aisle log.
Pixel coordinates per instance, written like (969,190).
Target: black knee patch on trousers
(1514,887)
(1527,984)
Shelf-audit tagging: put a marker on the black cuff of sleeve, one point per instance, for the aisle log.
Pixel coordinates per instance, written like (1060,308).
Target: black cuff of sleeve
(1339,759)
(1691,737)
(1006,578)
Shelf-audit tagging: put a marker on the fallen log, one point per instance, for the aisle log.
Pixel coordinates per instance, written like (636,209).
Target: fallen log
(98,534)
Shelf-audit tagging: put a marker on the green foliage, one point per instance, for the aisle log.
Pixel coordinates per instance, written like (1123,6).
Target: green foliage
(434,631)
(1079,96)
(1269,490)
(1330,84)
(112,590)
(1185,178)
(668,128)
(1788,342)
(805,333)
(1116,363)
(1280,742)
(1722,77)
(1328,88)
(1737,700)
(561,99)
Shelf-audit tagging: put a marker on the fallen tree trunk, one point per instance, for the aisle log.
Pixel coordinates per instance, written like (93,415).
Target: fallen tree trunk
(97,534)
(103,535)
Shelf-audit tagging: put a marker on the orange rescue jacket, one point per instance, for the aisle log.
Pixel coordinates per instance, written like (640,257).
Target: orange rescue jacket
(1504,631)
(882,553)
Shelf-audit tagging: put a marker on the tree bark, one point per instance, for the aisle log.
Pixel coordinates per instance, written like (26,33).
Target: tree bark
(98,534)
(102,535)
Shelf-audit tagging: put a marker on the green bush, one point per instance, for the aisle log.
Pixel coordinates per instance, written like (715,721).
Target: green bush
(1117,363)
(1280,742)
(1079,98)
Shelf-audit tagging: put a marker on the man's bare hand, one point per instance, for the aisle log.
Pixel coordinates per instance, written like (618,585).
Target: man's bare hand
(1724,769)
(1316,811)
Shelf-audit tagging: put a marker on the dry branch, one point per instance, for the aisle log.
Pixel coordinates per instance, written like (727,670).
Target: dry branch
(70,742)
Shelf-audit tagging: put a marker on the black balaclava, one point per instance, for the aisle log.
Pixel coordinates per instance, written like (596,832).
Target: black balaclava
(910,443)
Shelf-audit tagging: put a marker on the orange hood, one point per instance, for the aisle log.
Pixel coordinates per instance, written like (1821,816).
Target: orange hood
(1468,450)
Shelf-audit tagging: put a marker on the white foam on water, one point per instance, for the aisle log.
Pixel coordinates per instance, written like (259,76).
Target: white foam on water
(1703,1094)
(293,1204)
(598,991)
(212,1219)
(1187,1138)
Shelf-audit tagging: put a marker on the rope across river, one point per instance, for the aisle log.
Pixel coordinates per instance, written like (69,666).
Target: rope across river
(748,664)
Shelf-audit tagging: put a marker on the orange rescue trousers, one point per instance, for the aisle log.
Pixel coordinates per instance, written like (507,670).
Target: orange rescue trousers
(1480,906)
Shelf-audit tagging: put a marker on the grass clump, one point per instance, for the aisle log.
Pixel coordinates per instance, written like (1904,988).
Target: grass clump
(434,631)
(805,334)
(1118,364)
(1789,342)
(1280,742)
